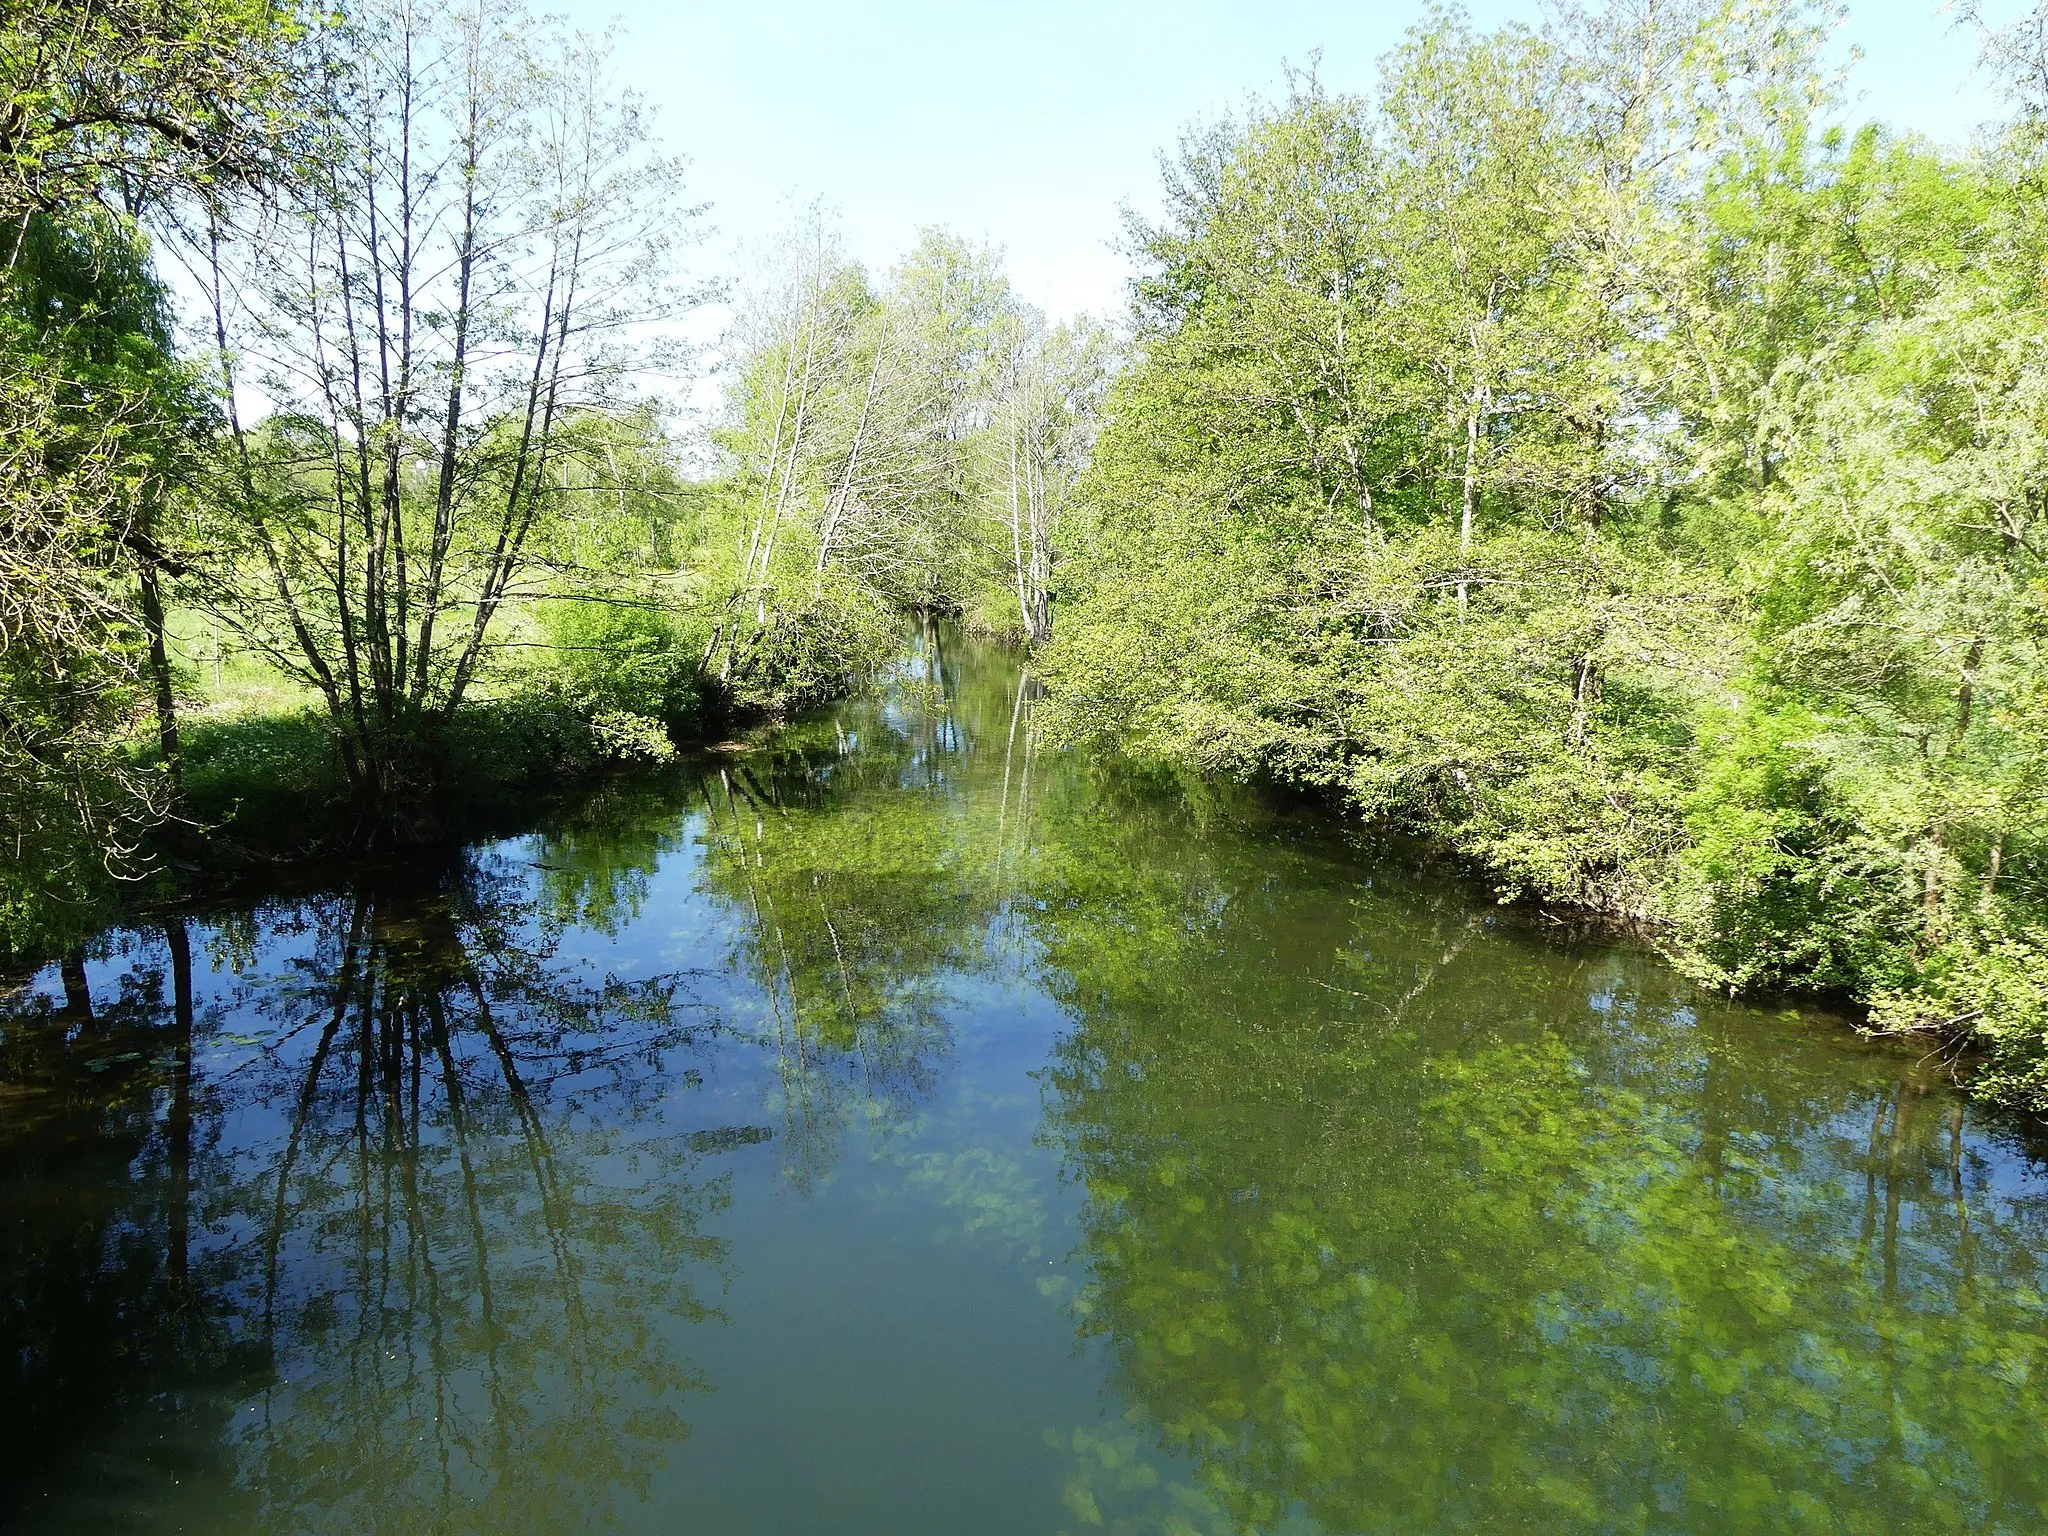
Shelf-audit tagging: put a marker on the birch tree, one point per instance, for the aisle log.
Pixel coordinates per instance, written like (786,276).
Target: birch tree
(1043,426)
(855,432)
(790,350)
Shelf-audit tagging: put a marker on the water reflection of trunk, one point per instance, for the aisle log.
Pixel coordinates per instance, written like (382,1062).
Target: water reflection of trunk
(1009,759)
(1428,974)
(1894,1149)
(1890,1149)
(113,1302)
(936,669)
(1966,1246)
(471,1253)
(1020,712)
(395,976)
(809,1123)
(77,990)
(178,1120)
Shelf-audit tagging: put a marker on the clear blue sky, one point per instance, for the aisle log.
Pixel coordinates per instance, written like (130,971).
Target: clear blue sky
(1028,124)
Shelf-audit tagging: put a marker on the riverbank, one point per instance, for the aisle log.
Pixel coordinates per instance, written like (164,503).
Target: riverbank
(1671,879)
(266,807)
(265,800)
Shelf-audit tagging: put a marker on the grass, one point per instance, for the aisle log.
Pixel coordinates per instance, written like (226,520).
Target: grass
(264,779)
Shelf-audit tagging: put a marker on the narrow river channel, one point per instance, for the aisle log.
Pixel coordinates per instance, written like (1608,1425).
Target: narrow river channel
(902,1128)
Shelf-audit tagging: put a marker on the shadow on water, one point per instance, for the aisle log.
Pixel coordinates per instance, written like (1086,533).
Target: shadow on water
(904,1128)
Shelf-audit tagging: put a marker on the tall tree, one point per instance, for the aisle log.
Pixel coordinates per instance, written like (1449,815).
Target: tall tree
(1044,422)
(460,286)
(111,111)
(1697,580)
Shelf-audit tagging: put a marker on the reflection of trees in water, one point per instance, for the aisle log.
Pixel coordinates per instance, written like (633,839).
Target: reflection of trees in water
(1385,1218)
(418,1213)
(424,1222)
(598,858)
(467,1260)
(857,859)
(109,1308)
(1402,1225)
(848,924)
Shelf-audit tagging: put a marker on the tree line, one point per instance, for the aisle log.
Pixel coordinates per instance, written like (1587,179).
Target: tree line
(347,338)
(1591,450)
(907,444)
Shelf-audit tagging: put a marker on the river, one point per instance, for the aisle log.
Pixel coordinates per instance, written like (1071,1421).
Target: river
(901,1127)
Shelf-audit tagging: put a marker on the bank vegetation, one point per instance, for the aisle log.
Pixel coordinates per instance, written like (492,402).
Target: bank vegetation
(1595,448)
(1597,451)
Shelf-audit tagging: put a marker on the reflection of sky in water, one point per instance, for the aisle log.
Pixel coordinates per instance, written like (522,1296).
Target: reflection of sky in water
(914,1131)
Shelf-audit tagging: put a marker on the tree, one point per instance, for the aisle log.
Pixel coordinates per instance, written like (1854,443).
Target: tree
(108,111)
(1589,455)
(1044,423)
(795,346)
(140,103)
(441,318)
(103,425)
(864,451)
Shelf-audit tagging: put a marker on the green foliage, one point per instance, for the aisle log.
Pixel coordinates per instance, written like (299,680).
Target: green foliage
(1985,978)
(270,785)
(268,782)
(107,111)
(1583,454)
(615,620)
(625,654)
(807,653)
(99,420)
(124,102)
(538,741)
(911,443)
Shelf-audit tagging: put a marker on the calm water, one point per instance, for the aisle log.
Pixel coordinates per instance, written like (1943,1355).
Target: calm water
(903,1129)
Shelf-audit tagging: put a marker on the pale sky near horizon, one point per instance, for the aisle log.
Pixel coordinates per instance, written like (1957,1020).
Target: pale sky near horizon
(1028,125)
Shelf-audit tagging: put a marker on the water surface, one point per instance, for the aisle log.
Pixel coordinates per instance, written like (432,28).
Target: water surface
(902,1128)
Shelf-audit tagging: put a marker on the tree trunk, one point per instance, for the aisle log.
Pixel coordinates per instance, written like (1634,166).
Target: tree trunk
(1930,893)
(1585,694)
(1469,493)
(150,580)
(1017,530)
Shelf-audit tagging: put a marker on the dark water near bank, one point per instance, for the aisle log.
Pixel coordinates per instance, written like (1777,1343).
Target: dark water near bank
(901,1129)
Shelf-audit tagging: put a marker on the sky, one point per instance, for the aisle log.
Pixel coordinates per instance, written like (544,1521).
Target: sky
(1028,125)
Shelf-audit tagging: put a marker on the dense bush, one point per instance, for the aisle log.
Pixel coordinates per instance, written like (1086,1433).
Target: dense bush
(802,655)
(264,786)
